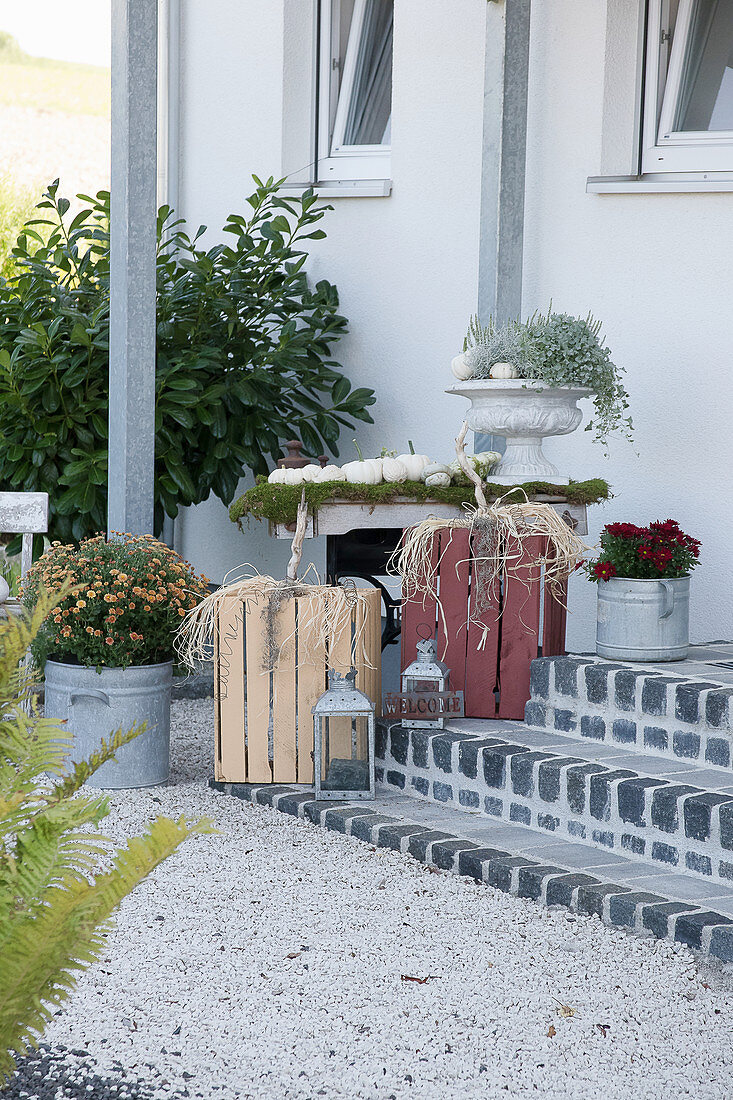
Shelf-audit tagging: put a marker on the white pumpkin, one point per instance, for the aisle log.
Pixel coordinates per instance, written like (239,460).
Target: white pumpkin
(277,477)
(461,369)
(376,464)
(434,468)
(440,479)
(329,473)
(487,458)
(293,476)
(4,590)
(393,470)
(363,472)
(503,370)
(310,473)
(414,464)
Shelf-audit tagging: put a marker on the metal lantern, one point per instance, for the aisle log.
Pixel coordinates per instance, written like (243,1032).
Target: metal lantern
(426,675)
(343,740)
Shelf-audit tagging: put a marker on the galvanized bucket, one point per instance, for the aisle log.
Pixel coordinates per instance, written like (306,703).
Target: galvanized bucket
(94,704)
(643,620)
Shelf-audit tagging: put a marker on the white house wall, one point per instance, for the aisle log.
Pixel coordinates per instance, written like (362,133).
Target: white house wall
(655,268)
(405,266)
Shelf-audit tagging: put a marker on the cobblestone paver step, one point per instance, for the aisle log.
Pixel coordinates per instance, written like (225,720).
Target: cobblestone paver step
(524,863)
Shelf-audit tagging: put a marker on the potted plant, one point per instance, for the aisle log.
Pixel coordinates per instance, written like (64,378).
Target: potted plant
(524,380)
(643,576)
(107,647)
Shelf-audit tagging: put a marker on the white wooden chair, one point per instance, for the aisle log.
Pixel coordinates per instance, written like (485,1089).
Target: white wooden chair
(24,514)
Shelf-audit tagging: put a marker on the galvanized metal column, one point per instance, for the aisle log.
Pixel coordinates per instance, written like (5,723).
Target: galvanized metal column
(506,83)
(504,159)
(132,260)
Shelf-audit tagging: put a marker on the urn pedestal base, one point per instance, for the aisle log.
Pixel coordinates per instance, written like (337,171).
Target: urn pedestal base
(523,461)
(524,413)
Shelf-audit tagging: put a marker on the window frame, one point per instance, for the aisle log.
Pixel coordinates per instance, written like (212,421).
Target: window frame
(664,150)
(337,162)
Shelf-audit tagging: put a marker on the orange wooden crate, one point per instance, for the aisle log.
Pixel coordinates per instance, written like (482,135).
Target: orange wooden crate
(264,725)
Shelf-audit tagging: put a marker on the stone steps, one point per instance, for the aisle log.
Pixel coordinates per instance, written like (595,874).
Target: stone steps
(650,710)
(668,813)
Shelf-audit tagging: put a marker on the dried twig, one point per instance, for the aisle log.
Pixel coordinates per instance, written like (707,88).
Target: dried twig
(469,470)
(301,525)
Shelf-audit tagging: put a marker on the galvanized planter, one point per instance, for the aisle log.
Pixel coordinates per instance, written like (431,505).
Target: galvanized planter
(95,704)
(643,620)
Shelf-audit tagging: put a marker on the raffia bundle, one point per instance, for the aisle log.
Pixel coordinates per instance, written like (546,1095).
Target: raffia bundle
(329,619)
(499,534)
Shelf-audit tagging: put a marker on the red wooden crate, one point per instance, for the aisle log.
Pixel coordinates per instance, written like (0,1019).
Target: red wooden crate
(523,619)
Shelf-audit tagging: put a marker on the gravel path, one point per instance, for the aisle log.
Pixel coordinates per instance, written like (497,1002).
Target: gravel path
(269,962)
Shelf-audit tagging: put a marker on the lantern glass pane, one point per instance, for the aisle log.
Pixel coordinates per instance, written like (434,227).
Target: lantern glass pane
(345,764)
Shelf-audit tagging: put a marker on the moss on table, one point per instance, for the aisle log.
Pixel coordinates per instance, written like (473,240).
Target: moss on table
(279,503)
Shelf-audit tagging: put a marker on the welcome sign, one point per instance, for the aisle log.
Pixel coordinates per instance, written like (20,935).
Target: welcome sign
(425,707)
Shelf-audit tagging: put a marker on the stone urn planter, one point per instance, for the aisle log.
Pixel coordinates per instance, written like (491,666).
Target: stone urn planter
(643,620)
(525,413)
(93,705)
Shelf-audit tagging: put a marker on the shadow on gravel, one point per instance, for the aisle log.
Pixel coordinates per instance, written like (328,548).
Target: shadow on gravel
(60,1074)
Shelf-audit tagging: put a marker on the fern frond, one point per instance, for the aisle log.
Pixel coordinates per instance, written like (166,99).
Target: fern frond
(39,959)
(54,909)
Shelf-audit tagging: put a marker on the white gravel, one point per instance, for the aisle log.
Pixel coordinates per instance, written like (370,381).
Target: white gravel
(266,962)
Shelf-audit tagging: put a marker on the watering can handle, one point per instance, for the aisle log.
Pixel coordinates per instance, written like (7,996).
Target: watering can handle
(89,693)
(668,599)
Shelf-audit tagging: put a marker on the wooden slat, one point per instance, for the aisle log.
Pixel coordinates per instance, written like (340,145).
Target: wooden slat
(553,634)
(218,775)
(375,650)
(482,665)
(229,688)
(258,695)
(364,674)
(364,677)
(311,685)
(418,618)
(454,575)
(26,555)
(339,659)
(369,679)
(519,627)
(284,750)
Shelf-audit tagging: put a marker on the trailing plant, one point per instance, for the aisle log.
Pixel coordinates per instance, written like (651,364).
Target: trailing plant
(119,603)
(279,503)
(55,902)
(556,349)
(657,552)
(243,355)
(569,351)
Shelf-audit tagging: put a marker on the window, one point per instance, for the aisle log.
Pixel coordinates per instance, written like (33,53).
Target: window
(688,115)
(355,90)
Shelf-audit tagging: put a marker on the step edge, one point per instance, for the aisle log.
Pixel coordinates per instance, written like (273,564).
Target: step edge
(708,938)
(697,854)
